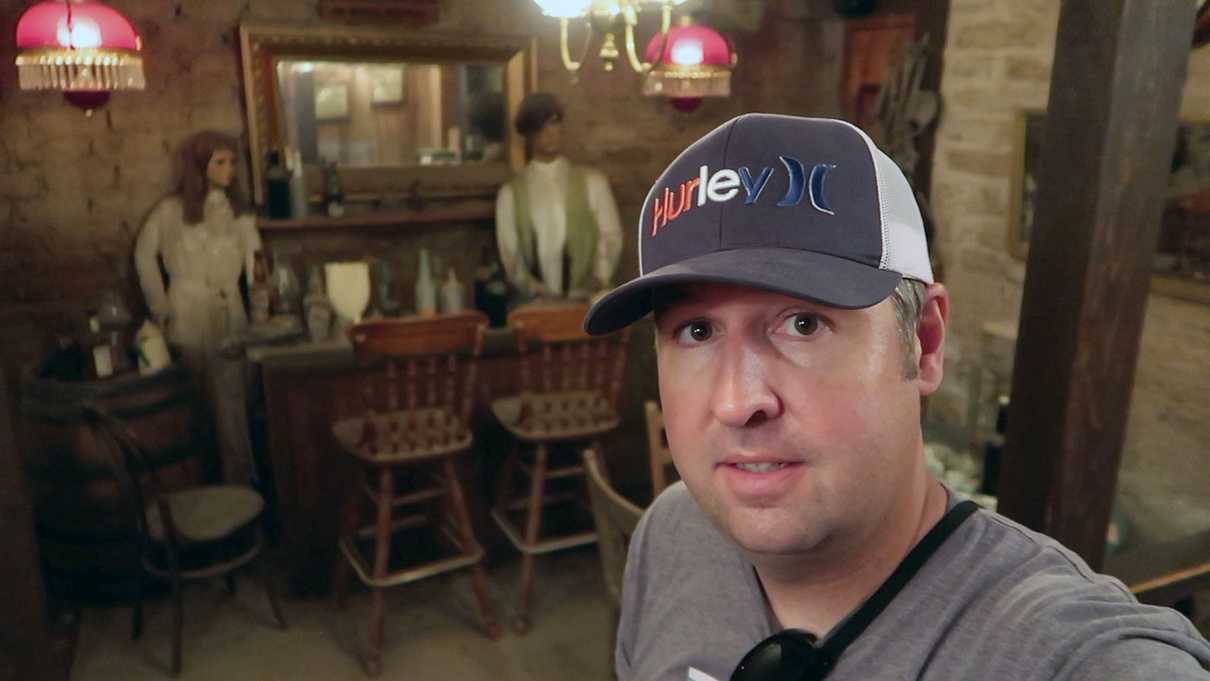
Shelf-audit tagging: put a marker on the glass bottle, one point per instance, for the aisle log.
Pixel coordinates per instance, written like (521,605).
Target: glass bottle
(993,449)
(114,319)
(453,293)
(298,187)
(426,293)
(277,184)
(101,349)
(493,300)
(334,194)
(260,295)
(285,286)
(386,296)
(317,311)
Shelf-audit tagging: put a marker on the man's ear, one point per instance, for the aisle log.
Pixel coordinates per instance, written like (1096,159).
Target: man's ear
(930,336)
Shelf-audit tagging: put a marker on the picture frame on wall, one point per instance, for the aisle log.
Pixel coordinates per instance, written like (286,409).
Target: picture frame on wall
(1181,263)
(386,84)
(332,102)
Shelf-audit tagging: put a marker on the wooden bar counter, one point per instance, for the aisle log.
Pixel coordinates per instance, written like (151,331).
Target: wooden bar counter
(304,387)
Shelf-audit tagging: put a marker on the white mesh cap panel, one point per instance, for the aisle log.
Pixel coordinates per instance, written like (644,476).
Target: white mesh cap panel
(904,249)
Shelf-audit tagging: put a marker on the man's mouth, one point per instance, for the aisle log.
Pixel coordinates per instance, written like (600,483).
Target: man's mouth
(765,467)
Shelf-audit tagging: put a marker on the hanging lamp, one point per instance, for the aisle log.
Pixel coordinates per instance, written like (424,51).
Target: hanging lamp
(696,62)
(83,48)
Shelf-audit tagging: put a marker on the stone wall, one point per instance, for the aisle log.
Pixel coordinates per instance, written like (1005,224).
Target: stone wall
(997,62)
(74,190)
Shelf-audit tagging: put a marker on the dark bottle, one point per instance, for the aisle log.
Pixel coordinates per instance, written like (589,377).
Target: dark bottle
(277,184)
(334,194)
(993,449)
(491,289)
(66,361)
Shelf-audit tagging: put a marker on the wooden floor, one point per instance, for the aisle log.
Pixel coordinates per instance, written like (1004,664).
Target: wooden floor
(431,633)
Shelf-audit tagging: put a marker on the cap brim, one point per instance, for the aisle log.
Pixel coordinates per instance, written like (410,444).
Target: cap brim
(820,278)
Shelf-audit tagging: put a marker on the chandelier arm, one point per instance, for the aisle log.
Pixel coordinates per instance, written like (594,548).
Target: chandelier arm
(665,27)
(632,52)
(565,51)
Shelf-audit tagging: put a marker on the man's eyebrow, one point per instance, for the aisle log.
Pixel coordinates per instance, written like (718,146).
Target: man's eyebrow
(665,297)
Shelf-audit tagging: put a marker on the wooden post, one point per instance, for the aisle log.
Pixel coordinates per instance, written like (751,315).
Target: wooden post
(1119,70)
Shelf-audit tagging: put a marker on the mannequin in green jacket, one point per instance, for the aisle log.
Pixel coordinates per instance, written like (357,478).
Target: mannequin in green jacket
(557,223)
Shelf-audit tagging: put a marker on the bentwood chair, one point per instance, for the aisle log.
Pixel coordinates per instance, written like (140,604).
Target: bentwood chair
(191,534)
(658,452)
(406,439)
(569,385)
(615,518)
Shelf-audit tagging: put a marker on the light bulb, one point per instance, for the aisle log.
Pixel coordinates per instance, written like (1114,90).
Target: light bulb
(84,33)
(564,8)
(687,52)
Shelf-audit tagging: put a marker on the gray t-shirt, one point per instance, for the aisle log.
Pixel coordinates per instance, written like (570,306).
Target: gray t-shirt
(996,601)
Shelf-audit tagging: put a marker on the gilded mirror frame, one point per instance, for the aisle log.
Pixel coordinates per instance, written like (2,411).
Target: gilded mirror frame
(263,45)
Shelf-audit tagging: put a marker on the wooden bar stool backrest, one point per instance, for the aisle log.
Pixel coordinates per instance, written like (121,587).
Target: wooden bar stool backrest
(658,451)
(422,363)
(558,356)
(615,518)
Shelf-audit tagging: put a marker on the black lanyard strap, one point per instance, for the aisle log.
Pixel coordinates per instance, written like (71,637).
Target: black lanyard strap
(915,559)
(791,654)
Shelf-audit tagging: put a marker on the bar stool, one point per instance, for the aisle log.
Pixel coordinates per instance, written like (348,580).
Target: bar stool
(417,402)
(569,387)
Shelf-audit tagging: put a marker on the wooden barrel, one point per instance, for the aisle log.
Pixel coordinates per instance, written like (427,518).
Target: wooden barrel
(85,523)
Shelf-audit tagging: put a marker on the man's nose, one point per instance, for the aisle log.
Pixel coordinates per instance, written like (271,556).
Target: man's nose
(743,394)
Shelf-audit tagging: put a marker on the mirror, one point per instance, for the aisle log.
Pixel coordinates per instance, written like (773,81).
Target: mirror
(366,114)
(400,113)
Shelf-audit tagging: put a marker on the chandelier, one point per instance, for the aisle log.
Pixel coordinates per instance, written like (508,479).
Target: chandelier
(82,48)
(684,61)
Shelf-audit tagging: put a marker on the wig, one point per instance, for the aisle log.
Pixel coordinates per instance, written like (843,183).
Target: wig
(536,110)
(193,184)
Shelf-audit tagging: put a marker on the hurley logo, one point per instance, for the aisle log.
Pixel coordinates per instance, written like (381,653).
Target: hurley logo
(725,184)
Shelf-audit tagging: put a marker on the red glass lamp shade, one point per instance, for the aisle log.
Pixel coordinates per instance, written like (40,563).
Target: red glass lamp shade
(695,62)
(82,47)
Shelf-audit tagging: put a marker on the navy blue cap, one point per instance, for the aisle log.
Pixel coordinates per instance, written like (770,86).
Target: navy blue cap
(807,207)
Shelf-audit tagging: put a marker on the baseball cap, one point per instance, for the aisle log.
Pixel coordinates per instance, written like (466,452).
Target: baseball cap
(807,207)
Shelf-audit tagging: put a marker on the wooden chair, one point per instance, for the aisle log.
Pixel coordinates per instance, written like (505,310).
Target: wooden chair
(410,429)
(569,386)
(191,534)
(658,452)
(615,518)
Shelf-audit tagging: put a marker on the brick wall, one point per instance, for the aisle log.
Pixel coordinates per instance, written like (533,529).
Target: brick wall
(997,62)
(74,190)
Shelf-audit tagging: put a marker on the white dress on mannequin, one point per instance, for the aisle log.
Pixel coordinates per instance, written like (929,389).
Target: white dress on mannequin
(202,305)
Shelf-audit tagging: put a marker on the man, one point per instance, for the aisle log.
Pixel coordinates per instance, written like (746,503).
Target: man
(797,327)
(556,223)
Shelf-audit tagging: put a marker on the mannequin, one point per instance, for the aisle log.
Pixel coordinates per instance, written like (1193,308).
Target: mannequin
(557,223)
(205,239)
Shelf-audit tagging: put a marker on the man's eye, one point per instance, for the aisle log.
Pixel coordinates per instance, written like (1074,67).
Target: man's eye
(803,324)
(694,332)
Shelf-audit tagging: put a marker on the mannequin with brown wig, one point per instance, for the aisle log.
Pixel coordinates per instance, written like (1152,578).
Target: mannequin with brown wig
(557,223)
(204,237)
